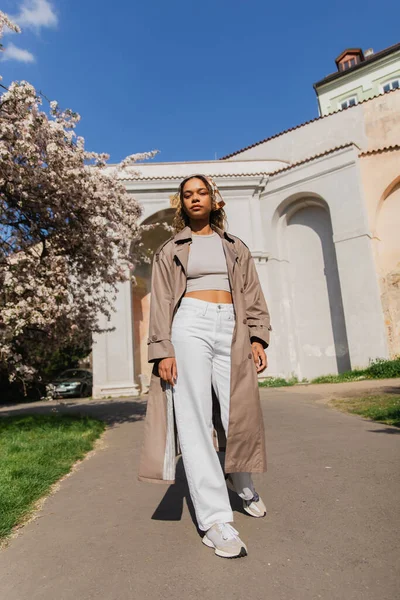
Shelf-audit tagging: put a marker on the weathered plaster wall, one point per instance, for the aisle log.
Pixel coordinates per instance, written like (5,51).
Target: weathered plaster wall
(382,120)
(380,174)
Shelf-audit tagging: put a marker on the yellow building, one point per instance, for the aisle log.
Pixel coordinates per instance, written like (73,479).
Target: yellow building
(359,76)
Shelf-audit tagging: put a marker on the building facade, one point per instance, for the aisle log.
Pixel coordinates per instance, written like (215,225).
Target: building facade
(319,207)
(359,76)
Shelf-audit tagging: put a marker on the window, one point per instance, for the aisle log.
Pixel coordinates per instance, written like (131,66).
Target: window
(391,85)
(348,102)
(347,64)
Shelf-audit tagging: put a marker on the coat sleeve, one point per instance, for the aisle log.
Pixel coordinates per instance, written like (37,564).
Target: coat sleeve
(161,306)
(257,314)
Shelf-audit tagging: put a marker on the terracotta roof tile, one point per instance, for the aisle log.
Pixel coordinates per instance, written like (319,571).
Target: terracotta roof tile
(314,157)
(303,125)
(179,177)
(380,150)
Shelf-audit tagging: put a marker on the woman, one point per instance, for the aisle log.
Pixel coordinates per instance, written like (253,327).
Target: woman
(209,326)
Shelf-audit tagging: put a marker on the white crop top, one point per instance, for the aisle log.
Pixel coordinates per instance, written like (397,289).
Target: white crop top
(206,269)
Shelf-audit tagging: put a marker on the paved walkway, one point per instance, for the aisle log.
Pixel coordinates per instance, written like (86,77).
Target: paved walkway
(331,532)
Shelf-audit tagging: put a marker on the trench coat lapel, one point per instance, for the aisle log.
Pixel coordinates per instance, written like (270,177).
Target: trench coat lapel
(182,248)
(231,258)
(182,254)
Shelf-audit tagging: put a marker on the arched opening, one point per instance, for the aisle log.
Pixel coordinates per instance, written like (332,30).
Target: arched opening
(388,253)
(151,240)
(388,228)
(314,287)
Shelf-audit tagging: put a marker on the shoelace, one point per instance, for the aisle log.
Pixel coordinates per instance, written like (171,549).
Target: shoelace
(227,531)
(255,498)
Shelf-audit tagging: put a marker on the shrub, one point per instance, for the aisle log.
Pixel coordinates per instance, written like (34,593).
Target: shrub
(382,369)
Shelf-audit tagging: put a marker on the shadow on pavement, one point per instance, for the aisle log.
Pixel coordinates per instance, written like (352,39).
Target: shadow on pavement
(391,390)
(171,506)
(113,412)
(391,430)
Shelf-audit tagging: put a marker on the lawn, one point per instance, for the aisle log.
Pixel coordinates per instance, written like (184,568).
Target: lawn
(384,408)
(36,451)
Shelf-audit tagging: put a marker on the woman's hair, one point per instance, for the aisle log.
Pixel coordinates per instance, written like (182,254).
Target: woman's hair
(181,219)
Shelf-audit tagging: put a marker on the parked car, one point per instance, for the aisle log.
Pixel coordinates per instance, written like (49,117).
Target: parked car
(71,383)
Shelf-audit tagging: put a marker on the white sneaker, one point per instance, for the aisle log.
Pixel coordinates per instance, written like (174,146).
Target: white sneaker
(254,507)
(225,540)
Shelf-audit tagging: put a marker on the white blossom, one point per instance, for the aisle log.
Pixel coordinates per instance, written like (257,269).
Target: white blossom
(5,21)
(69,231)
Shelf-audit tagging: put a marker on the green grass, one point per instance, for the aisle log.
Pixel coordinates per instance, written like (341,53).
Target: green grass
(36,451)
(278,382)
(384,408)
(378,369)
(355,375)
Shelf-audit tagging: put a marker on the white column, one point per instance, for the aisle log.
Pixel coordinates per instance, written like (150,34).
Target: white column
(283,355)
(361,300)
(113,366)
(258,245)
(267,272)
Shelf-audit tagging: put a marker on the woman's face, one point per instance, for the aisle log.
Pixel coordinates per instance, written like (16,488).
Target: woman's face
(197,201)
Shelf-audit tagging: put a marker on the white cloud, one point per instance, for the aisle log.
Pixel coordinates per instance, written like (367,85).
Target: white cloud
(12,52)
(34,14)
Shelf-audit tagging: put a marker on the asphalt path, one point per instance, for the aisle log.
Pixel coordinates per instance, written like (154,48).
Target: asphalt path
(331,532)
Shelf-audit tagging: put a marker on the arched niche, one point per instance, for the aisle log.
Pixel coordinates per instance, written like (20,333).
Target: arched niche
(388,255)
(388,228)
(312,286)
(153,238)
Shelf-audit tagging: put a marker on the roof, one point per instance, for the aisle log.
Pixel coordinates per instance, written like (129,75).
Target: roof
(380,150)
(349,51)
(180,177)
(314,157)
(276,135)
(360,65)
(331,151)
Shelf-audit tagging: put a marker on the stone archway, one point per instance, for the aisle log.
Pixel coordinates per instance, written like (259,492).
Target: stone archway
(151,239)
(313,286)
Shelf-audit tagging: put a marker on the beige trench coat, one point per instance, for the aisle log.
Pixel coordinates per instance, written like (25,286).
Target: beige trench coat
(245,446)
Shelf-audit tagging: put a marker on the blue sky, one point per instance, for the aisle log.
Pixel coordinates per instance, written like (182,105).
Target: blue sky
(194,79)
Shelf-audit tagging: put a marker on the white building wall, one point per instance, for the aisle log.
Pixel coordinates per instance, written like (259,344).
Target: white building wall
(113,351)
(333,181)
(370,125)
(311,139)
(315,297)
(294,259)
(113,368)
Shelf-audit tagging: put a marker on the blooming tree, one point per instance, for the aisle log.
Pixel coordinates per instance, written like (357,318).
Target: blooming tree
(66,230)
(5,22)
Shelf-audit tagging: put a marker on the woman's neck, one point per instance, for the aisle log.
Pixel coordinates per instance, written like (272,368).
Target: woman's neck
(200,228)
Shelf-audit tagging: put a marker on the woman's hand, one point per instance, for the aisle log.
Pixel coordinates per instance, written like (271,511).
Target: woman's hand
(259,356)
(167,370)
